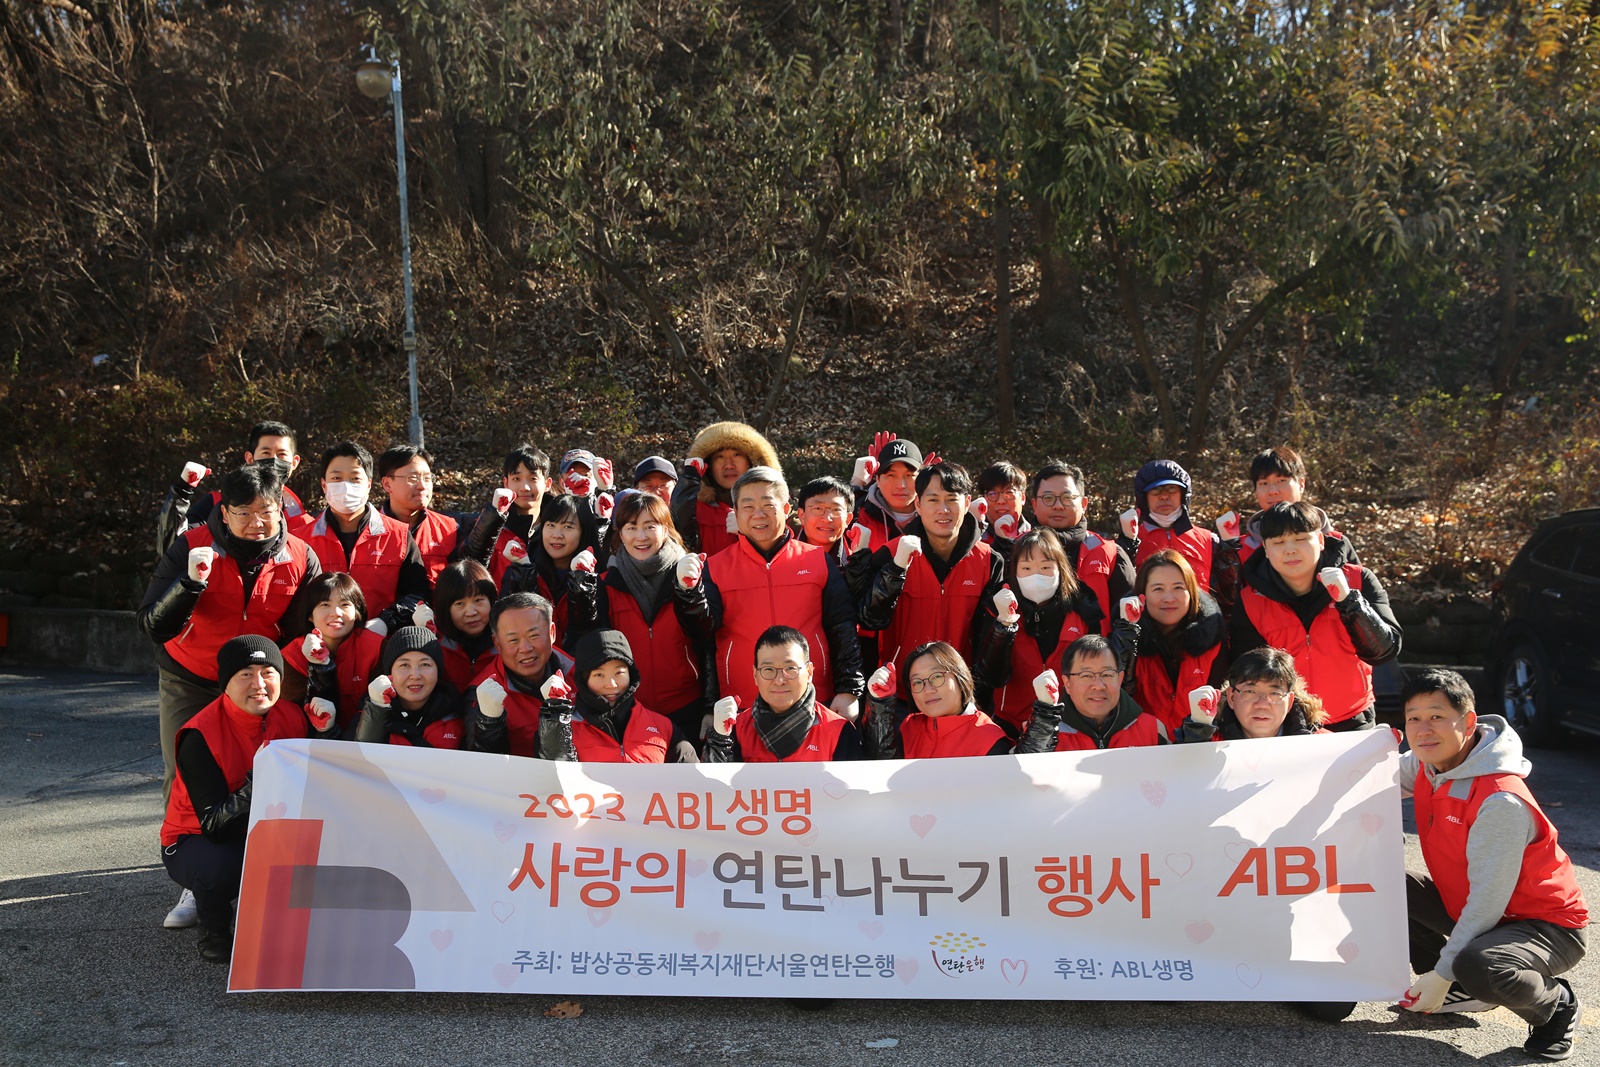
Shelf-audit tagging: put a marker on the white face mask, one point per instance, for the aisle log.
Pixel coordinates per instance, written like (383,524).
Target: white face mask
(346,497)
(1165,521)
(1038,587)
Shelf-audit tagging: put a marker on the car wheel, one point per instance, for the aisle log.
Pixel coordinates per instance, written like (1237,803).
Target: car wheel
(1525,695)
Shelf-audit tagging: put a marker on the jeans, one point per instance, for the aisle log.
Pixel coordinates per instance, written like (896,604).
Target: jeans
(212,872)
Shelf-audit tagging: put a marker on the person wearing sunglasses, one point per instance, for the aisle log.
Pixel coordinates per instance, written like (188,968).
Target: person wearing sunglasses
(786,723)
(1095,713)
(944,719)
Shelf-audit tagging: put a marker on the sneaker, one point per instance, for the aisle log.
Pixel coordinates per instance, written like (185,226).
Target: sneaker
(1328,1011)
(184,914)
(1553,1040)
(1459,1000)
(215,947)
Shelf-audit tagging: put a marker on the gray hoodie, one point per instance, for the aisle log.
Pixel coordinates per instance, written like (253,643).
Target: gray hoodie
(1501,832)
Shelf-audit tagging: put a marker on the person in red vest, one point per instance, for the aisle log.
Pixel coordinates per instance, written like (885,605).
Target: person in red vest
(945,720)
(502,711)
(351,535)
(1096,712)
(886,483)
(513,511)
(1333,618)
(657,476)
(1056,495)
(652,592)
(604,721)
(406,474)
(410,702)
(767,578)
(1004,489)
(335,655)
(1499,914)
(786,723)
(463,597)
(569,540)
(1182,638)
(1279,476)
(271,443)
(1264,697)
(208,812)
(1160,519)
(702,503)
(932,582)
(1020,636)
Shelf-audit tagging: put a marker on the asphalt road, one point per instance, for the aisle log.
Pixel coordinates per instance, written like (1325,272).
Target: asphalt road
(89,976)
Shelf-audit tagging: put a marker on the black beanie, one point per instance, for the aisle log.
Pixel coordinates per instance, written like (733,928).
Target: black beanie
(409,639)
(245,651)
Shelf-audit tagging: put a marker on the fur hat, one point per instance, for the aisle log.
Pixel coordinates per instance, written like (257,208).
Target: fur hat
(747,440)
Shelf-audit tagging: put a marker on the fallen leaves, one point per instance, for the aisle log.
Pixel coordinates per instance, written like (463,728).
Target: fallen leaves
(564,1009)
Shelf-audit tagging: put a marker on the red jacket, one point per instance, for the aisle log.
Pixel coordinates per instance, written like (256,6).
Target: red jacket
(712,519)
(817,747)
(1096,560)
(928,611)
(464,671)
(233,735)
(1547,887)
(645,739)
(521,711)
(221,613)
(380,549)
(440,733)
(1194,544)
(356,663)
(1168,700)
(756,595)
(1324,656)
(1145,730)
(974,734)
(436,536)
(669,671)
(1013,701)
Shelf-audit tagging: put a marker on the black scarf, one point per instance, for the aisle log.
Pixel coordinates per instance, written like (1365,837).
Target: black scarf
(783,733)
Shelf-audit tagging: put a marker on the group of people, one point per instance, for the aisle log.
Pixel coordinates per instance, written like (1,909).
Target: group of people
(706,611)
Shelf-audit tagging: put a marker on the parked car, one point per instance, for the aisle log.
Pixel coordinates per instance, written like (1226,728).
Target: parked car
(1545,653)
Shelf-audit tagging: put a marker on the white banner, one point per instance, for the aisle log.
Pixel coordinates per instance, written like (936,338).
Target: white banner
(1255,870)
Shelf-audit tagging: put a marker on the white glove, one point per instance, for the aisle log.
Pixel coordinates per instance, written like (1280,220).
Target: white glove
(980,508)
(1047,687)
(1006,528)
(1203,704)
(882,682)
(866,468)
(1129,521)
(696,464)
(555,687)
(321,713)
(1005,606)
(723,712)
(312,648)
(733,523)
(1337,584)
(907,549)
(379,627)
(1131,608)
(857,539)
(604,473)
(502,501)
(583,562)
(1228,525)
(381,691)
(200,563)
(604,505)
(688,569)
(422,615)
(1426,993)
(193,472)
(491,698)
(515,552)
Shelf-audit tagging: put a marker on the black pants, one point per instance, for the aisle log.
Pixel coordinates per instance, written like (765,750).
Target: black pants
(212,872)
(1365,720)
(1512,964)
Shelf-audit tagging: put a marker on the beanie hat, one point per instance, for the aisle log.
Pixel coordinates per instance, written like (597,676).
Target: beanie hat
(899,451)
(409,639)
(244,652)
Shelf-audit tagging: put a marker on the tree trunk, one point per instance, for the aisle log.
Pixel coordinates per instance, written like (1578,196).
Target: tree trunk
(1059,306)
(809,276)
(1134,314)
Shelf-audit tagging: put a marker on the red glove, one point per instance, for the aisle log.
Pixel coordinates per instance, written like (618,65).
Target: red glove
(1130,608)
(320,712)
(1228,525)
(578,484)
(314,650)
(583,562)
(603,505)
(931,458)
(502,501)
(857,538)
(884,681)
(381,691)
(696,464)
(980,508)
(603,473)
(514,552)
(1005,527)
(556,688)
(193,472)
(881,438)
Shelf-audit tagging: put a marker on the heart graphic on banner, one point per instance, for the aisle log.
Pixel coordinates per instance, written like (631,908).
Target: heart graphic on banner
(706,942)
(1237,849)
(1015,972)
(1154,792)
(1180,863)
(873,929)
(1348,950)
(921,824)
(806,839)
(278,810)
(504,830)
(1198,930)
(834,787)
(441,939)
(431,796)
(695,867)
(1247,975)
(1371,822)
(598,917)
(905,969)
(502,910)
(506,975)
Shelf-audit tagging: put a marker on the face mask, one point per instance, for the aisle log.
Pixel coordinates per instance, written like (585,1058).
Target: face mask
(1165,521)
(1038,587)
(283,468)
(346,497)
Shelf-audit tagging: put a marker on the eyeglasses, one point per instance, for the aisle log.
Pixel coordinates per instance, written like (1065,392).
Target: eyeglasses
(770,673)
(1091,677)
(265,515)
(935,680)
(1000,494)
(1262,696)
(415,480)
(1056,500)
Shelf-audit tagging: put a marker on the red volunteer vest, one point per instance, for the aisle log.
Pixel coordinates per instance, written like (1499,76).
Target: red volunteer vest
(233,736)
(1013,701)
(1194,544)
(462,671)
(712,519)
(644,740)
(436,537)
(1324,656)
(355,662)
(522,709)
(669,676)
(1096,560)
(949,735)
(928,611)
(817,747)
(756,595)
(1547,887)
(222,614)
(498,564)
(1141,732)
(375,562)
(1158,694)
(441,733)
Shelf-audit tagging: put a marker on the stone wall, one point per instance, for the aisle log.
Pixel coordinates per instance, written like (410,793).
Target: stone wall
(71,580)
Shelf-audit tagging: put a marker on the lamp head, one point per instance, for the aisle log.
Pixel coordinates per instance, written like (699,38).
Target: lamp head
(373,76)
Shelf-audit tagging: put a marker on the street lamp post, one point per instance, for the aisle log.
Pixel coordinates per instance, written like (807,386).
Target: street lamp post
(374,78)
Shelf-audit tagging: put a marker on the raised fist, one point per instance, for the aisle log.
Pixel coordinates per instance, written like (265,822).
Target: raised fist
(320,712)
(422,615)
(883,682)
(379,627)
(866,470)
(1047,687)
(732,523)
(193,472)
(555,687)
(381,691)
(584,561)
(1005,607)
(1129,521)
(980,508)
(1203,704)
(1131,608)
(314,650)
(857,539)
(578,484)
(696,464)
(1005,527)
(1335,582)
(200,563)
(907,549)
(491,698)
(603,473)
(1228,526)
(688,569)
(604,504)
(723,712)
(515,552)
(502,501)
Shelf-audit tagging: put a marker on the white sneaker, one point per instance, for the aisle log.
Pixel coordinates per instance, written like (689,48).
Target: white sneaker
(184,914)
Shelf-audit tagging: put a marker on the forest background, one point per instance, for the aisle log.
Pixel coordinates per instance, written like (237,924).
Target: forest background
(1103,230)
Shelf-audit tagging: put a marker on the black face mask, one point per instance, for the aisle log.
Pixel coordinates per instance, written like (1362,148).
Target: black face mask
(280,466)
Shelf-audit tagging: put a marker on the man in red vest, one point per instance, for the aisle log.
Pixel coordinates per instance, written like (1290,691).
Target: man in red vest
(1279,477)
(1499,913)
(886,484)
(271,443)
(786,723)
(1097,712)
(502,709)
(406,474)
(1160,519)
(353,536)
(513,513)
(1056,494)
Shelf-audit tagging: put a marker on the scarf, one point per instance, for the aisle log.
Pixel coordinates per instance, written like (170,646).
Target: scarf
(650,581)
(783,733)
